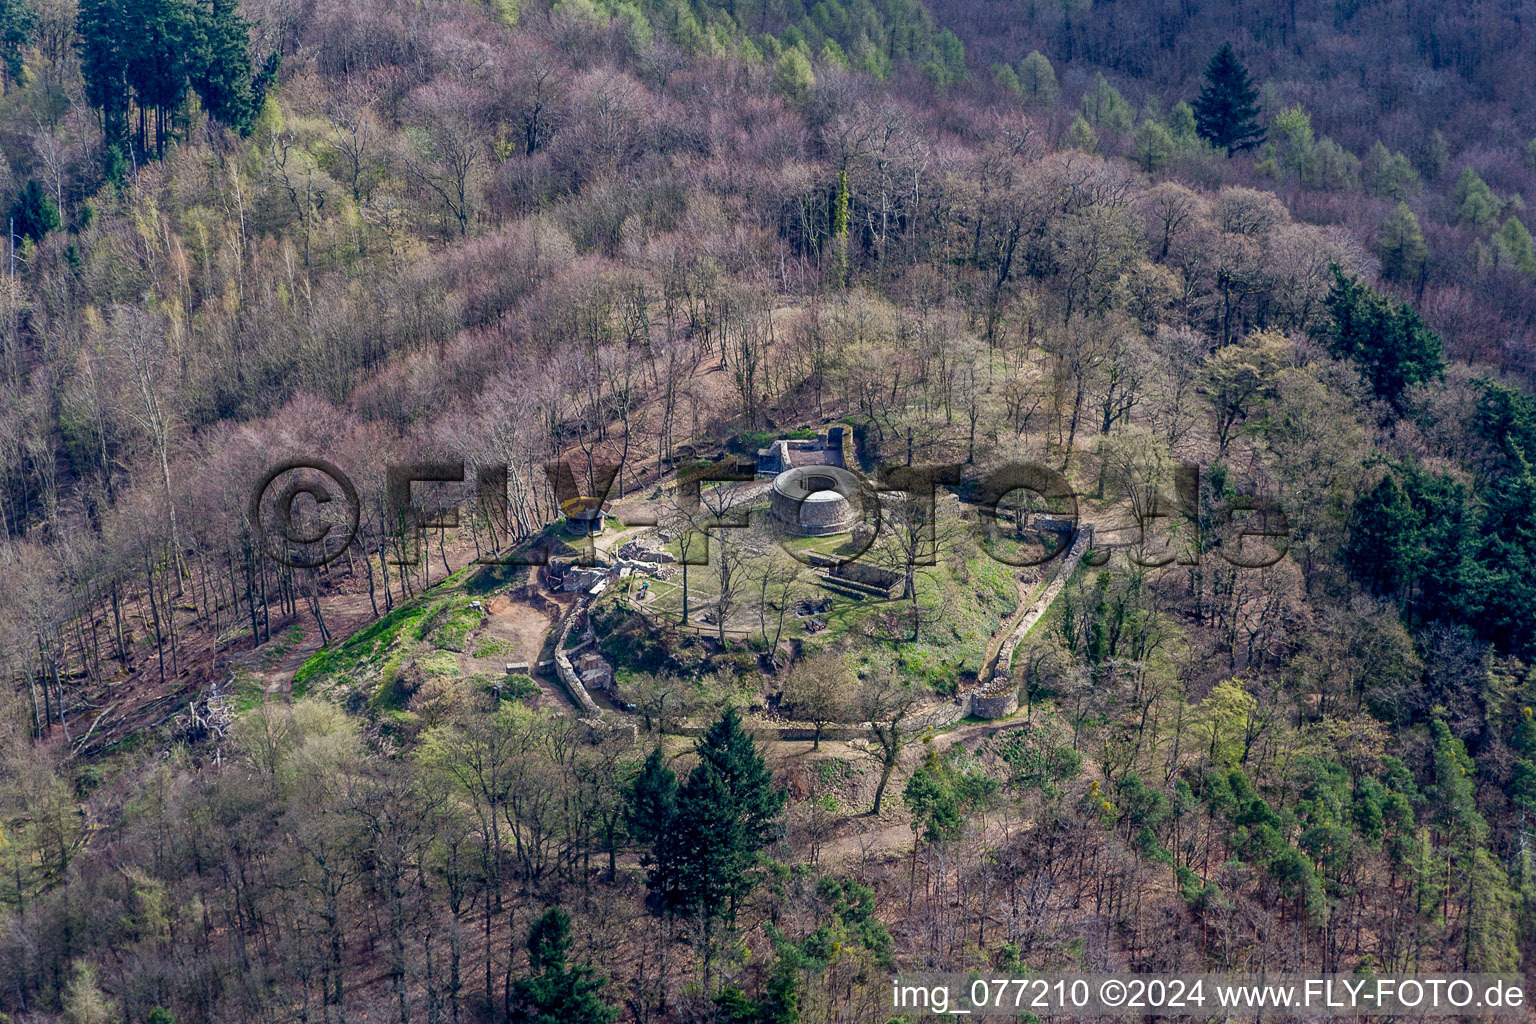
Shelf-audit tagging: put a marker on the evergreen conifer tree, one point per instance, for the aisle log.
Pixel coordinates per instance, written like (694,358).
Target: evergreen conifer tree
(35,213)
(145,54)
(1402,245)
(1037,79)
(18,23)
(1512,247)
(158,59)
(726,813)
(650,801)
(1392,346)
(103,30)
(1227,111)
(221,64)
(753,797)
(557,992)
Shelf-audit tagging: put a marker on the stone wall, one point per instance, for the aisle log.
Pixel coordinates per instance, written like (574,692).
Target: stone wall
(995,705)
(1067,565)
(814,518)
(567,672)
(941,716)
(866,575)
(816,501)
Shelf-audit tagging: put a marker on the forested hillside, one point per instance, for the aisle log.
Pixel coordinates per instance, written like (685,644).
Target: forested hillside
(1246,684)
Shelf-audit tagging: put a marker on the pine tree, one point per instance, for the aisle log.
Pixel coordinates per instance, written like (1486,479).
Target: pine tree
(1037,79)
(1505,606)
(84,1002)
(1181,122)
(1437,153)
(702,861)
(727,812)
(1475,203)
(221,64)
(556,992)
(650,800)
(1227,111)
(104,32)
(950,53)
(780,1003)
(1523,742)
(1391,345)
(753,797)
(1383,538)
(146,53)
(1447,578)
(1493,920)
(1104,107)
(34,213)
(1390,175)
(17,25)
(1452,795)
(158,60)
(931,797)
(793,78)
(1082,136)
(1154,146)
(1006,79)
(1505,421)
(1293,144)
(1512,247)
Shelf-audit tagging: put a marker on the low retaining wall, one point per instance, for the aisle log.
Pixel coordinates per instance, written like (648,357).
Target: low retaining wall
(1081,543)
(939,717)
(567,672)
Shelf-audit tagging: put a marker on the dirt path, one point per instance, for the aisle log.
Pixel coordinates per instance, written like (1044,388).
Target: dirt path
(274,663)
(520,631)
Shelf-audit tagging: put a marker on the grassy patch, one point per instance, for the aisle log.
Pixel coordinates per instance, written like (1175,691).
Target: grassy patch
(833,772)
(749,441)
(491,578)
(493,647)
(457,622)
(440,663)
(245,693)
(364,649)
(402,677)
(961,602)
(513,687)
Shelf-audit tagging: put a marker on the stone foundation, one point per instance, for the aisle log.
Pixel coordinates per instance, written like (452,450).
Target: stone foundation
(995,705)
